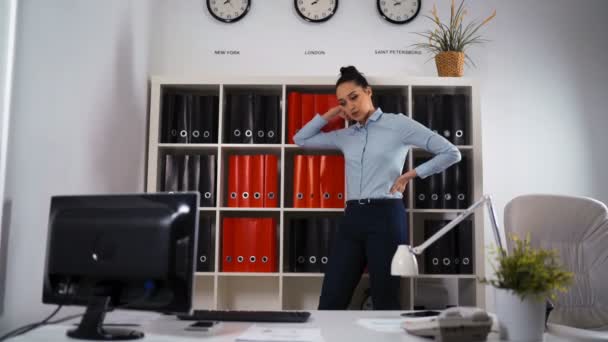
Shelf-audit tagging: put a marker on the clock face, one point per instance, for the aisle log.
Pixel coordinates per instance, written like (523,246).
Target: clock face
(228,11)
(316,11)
(398,11)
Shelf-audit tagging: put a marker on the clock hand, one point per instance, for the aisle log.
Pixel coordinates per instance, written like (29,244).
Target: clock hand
(314,2)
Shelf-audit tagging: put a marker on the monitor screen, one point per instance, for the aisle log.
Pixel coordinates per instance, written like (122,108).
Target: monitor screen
(134,250)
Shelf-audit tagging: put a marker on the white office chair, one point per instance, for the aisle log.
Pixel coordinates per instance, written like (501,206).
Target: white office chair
(577,227)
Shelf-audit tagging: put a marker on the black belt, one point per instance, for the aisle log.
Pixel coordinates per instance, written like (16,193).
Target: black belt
(369,201)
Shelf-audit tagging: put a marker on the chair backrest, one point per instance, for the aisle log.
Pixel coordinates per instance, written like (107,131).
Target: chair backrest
(577,227)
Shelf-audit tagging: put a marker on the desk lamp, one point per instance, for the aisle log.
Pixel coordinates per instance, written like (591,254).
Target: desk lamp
(404,261)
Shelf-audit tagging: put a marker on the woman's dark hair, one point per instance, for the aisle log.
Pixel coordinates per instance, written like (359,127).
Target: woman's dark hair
(351,74)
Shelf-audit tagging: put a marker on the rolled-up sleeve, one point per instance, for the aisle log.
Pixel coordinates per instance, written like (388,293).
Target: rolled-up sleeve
(311,136)
(446,154)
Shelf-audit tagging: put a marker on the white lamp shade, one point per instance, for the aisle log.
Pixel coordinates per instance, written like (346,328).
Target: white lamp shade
(404,262)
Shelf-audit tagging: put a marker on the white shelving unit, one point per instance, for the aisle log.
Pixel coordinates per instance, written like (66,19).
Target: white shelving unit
(297,291)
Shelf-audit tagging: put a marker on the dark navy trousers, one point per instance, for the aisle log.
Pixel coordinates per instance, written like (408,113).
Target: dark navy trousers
(368,235)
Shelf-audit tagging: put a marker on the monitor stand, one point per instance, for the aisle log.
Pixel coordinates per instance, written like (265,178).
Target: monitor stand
(91,325)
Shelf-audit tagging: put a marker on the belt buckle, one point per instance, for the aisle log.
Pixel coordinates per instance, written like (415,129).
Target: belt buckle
(362,201)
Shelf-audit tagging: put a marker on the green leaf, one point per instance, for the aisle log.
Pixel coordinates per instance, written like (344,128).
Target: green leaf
(529,272)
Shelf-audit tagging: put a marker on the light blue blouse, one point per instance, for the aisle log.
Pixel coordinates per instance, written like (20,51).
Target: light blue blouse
(375,152)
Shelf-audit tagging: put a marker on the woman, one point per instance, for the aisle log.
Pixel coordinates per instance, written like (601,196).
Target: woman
(374,148)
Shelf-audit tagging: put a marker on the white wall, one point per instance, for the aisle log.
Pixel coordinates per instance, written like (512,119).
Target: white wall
(79,104)
(544,101)
(77,125)
(8,22)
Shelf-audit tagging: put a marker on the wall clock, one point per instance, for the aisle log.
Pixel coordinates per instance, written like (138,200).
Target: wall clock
(228,11)
(316,11)
(398,11)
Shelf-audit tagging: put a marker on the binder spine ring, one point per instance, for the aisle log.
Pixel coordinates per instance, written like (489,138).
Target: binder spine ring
(196,134)
(300,195)
(248,133)
(446,261)
(459,133)
(207,195)
(237,132)
(252,259)
(183,133)
(245,195)
(301,259)
(312,259)
(434,197)
(340,196)
(270,134)
(326,195)
(421,197)
(228,259)
(271,195)
(461,197)
(260,134)
(466,261)
(206,134)
(240,259)
(435,261)
(324,260)
(203,258)
(233,195)
(257,195)
(264,259)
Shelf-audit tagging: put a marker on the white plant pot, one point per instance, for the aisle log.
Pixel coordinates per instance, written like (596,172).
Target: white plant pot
(519,321)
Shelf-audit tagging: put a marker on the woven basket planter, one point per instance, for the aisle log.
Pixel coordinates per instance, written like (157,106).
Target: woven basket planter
(450,63)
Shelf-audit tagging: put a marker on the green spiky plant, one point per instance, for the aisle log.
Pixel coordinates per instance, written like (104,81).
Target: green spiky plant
(529,272)
(453,36)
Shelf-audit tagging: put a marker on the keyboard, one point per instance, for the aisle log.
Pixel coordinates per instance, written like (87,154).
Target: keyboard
(247,316)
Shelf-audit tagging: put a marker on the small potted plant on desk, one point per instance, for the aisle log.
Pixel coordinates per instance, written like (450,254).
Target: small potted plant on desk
(525,278)
(448,42)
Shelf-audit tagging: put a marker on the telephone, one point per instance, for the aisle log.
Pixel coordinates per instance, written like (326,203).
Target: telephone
(452,325)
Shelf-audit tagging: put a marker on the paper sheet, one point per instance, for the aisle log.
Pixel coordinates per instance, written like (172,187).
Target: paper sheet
(392,325)
(258,333)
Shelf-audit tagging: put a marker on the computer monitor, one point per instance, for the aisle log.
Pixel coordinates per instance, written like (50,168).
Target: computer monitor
(133,251)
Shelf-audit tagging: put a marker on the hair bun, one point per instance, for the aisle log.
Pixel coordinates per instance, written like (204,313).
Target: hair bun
(349,70)
(351,74)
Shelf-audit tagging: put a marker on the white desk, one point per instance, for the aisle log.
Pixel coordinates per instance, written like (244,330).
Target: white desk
(335,326)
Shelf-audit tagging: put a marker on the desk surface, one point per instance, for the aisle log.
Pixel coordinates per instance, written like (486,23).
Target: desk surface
(334,326)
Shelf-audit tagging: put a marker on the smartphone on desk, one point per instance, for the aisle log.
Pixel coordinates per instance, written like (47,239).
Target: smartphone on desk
(202,326)
(423,313)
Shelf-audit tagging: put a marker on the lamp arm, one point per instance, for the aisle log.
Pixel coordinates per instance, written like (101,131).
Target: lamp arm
(470,210)
(494,222)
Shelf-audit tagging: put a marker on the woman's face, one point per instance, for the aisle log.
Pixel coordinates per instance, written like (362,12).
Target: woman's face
(355,101)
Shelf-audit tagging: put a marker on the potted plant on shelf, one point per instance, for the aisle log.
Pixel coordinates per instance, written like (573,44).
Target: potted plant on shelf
(525,278)
(448,42)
